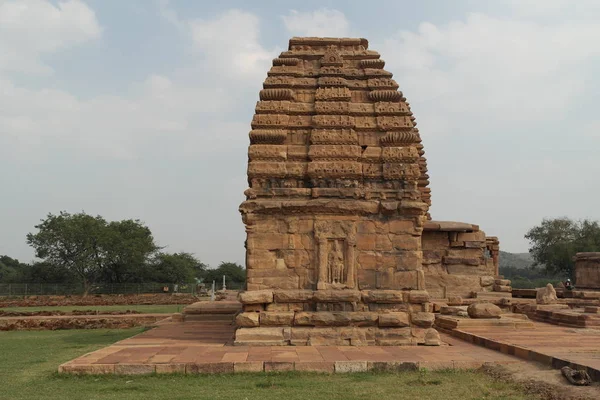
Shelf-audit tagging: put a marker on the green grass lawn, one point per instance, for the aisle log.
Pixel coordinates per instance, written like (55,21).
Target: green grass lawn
(151,309)
(29,359)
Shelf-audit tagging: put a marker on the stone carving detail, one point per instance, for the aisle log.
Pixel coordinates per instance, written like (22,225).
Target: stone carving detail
(342,121)
(332,58)
(382,83)
(259,136)
(398,138)
(385,95)
(378,63)
(286,61)
(333,94)
(332,107)
(336,249)
(276,94)
(387,123)
(332,81)
(333,136)
(267,120)
(383,108)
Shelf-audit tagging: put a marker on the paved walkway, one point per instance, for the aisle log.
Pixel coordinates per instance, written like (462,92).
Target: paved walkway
(553,345)
(204,347)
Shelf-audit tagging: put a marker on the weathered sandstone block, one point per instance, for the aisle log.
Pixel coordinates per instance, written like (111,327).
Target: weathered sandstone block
(276,318)
(423,319)
(383,296)
(418,296)
(487,281)
(499,288)
(334,296)
(293,296)
(432,338)
(256,297)
(273,334)
(247,319)
(484,310)
(394,319)
(546,295)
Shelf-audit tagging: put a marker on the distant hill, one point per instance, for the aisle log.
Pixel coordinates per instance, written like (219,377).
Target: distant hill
(515,260)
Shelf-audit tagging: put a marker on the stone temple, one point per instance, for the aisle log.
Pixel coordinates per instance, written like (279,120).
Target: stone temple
(341,248)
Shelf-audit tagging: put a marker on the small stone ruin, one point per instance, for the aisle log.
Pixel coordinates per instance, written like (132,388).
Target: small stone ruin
(341,248)
(587,271)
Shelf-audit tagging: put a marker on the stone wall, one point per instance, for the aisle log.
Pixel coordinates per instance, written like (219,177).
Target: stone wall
(334,317)
(296,252)
(587,270)
(459,260)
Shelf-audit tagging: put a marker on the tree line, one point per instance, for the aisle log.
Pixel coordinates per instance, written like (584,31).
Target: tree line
(87,250)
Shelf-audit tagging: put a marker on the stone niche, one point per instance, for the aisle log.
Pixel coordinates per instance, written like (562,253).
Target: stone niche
(337,203)
(587,271)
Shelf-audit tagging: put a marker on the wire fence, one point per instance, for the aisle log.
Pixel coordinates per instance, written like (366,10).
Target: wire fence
(42,289)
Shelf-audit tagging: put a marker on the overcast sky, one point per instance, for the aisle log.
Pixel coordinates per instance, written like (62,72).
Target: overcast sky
(141,109)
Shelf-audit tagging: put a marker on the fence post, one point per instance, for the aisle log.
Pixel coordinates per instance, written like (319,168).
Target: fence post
(9,290)
(25,289)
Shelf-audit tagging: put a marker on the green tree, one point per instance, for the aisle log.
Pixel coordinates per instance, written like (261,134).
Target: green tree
(91,248)
(233,272)
(127,246)
(9,269)
(175,268)
(554,243)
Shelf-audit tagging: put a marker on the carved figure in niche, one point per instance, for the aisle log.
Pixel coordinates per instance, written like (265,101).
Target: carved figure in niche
(336,264)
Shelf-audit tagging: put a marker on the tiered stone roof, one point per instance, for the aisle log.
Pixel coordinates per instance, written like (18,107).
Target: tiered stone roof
(331,123)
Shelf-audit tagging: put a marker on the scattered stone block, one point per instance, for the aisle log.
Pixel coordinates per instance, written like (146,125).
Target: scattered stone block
(394,319)
(546,295)
(423,319)
(432,338)
(247,319)
(484,310)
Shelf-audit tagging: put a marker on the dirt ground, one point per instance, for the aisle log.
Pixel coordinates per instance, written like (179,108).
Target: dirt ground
(542,381)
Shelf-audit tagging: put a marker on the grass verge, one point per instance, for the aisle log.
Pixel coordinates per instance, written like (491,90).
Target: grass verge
(29,359)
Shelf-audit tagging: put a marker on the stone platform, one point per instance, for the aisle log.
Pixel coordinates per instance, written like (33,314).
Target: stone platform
(205,347)
(548,344)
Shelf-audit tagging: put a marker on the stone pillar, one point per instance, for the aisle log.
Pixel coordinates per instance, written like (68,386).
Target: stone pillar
(350,260)
(322,281)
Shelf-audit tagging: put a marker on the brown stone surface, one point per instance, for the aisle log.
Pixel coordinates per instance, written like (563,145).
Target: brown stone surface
(394,319)
(546,295)
(247,319)
(587,270)
(432,338)
(422,319)
(256,297)
(484,310)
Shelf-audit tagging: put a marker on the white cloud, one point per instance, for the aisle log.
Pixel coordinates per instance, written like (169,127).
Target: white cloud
(231,42)
(192,107)
(499,104)
(523,70)
(322,22)
(557,8)
(29,29)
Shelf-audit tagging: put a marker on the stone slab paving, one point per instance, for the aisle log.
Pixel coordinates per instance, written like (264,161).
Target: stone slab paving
(205,347)
(552,345)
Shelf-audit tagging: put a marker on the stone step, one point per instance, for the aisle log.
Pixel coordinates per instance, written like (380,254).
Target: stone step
(208,317)
(213,307)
